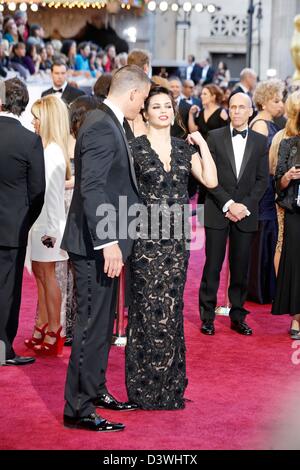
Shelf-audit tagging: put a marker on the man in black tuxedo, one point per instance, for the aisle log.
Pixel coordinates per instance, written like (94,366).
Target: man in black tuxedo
(207,73)
(22,187)
(104,172)
(60,87)
(193,70)
(231,210)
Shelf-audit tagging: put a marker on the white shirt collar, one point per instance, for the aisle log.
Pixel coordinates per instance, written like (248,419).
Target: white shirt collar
(10,115)
(62,87)
(245,90)
(239,146)
(116,110)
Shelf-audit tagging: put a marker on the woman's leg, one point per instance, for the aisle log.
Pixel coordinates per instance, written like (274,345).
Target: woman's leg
(52,296)
(42,314)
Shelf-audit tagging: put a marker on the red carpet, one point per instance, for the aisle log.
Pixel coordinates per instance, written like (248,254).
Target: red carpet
(239,388)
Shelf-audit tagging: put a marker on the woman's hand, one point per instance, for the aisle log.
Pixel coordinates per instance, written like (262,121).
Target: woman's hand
(195,138)
(292,174)
(194,110)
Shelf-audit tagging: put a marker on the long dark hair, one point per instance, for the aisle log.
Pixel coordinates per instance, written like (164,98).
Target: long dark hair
(78,110)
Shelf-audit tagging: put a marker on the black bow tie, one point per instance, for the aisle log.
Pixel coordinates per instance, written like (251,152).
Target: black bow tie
(242,133)
(58,91)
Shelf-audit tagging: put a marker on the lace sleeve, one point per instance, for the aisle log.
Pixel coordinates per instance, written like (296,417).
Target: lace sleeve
(283,159)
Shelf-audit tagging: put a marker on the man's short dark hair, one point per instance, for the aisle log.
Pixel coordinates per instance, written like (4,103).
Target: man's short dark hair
(16,96)
(58,63)
(130,76)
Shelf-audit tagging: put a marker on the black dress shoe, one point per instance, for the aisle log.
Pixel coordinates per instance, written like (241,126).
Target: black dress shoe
(208,328)
(92,422)
(110,403)
(241,327)
(19,361)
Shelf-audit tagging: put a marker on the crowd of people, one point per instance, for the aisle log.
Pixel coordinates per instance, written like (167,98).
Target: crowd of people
(25,50)
(157,142)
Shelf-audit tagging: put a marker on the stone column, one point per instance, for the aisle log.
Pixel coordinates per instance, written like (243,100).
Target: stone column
(282,28)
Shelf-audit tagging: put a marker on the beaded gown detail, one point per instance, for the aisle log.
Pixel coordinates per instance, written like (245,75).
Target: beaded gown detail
(155,352)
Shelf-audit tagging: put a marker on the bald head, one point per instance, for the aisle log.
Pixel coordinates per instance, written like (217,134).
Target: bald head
(241,97)
(188,88)
(240,110)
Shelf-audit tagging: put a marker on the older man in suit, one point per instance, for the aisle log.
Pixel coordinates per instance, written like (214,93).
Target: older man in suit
(22,187)
(231,211)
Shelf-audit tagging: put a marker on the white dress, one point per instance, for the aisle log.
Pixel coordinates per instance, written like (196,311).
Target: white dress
(52,218)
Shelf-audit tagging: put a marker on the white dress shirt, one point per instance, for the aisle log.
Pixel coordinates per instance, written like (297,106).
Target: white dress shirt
(59,93)
(239,146)
(189,70)
(204,72)
(120,116)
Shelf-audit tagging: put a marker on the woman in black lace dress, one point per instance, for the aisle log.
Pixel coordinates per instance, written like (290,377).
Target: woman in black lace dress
(155,353)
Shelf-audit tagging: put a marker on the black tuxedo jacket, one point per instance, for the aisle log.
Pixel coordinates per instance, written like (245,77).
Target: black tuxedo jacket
(209,76)
(196,73)
(247,189)
(22,181)
(68,96)
(103,172)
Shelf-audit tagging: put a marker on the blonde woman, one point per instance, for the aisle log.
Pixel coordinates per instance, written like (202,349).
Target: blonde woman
(287,176)
(51,122)
(262,277)
(292,129)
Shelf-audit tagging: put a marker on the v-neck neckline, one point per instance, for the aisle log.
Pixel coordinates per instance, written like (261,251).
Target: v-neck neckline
(158,158)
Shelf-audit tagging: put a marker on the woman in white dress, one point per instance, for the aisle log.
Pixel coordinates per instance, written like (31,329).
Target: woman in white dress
(51,122)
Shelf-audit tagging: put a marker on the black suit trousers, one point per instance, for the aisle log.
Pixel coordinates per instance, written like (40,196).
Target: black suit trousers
(11,276)
(239,255)
(96,297)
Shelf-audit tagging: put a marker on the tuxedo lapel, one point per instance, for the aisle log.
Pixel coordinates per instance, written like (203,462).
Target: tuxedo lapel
(229,149)
(247,154)
(66,94)
(108,111)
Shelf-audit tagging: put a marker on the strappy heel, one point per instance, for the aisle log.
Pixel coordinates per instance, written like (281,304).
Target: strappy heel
(33,341)
(48,349)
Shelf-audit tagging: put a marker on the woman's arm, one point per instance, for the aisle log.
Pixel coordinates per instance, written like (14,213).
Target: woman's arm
(191,122)
(203,168)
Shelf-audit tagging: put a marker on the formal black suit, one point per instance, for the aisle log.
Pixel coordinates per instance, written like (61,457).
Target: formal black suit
(69,94)
(196,73)
(103,172)
(209,76)
(248,188)
(22,187)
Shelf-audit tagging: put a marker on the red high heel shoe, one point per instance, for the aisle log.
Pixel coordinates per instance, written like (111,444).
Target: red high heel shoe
(33,341)
(48,349)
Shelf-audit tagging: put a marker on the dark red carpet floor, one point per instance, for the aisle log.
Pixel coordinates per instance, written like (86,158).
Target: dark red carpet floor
(240,388)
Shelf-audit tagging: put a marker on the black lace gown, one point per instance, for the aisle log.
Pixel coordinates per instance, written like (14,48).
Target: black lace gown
(155,352)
